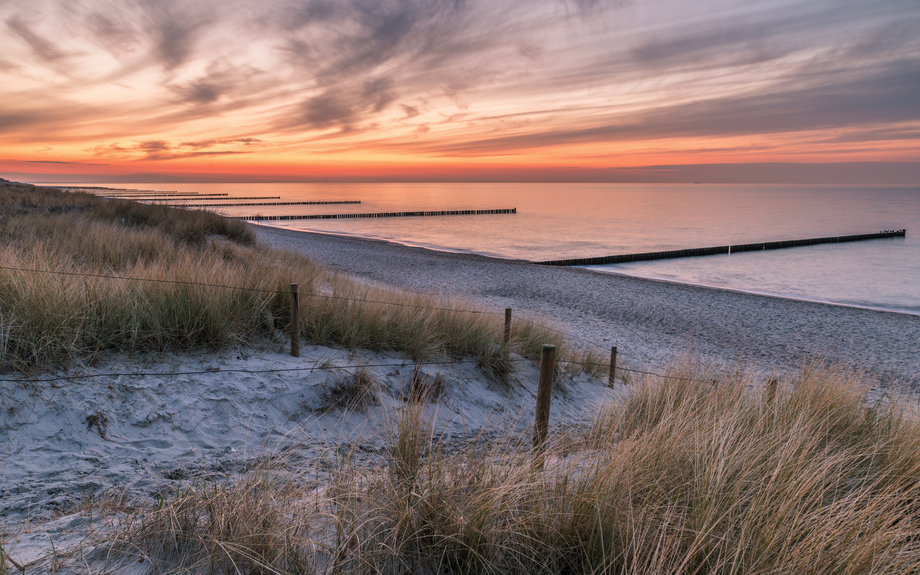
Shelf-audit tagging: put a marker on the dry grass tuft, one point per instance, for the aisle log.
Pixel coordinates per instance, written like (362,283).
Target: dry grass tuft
(6,561)
(224,527)
(425,387)
(43,205)
(355,390)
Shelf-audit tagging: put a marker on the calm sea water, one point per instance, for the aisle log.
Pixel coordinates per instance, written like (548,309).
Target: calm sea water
(557,221)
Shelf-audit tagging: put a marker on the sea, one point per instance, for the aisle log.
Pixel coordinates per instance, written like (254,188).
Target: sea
(559,221)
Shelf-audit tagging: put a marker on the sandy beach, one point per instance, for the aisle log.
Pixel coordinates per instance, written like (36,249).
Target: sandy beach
(650,322)
(145,425)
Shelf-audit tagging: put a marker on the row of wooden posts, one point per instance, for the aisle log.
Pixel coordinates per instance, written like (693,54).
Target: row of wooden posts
(258,218)
(238,204)
(715,250)
(544,384)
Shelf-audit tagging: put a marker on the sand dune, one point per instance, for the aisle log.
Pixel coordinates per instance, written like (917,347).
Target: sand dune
(70,444)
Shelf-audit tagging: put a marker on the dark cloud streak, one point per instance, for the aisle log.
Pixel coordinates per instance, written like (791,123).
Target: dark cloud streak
(112,33)
(65,163)
(42,48)
(160,150)
(174,31)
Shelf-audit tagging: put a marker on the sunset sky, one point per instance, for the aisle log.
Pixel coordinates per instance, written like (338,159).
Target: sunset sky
(567,90)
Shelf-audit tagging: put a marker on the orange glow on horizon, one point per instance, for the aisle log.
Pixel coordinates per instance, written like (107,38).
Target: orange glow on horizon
(292,164)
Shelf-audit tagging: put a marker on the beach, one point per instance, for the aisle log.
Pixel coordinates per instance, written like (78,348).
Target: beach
(138,428)
(650,322)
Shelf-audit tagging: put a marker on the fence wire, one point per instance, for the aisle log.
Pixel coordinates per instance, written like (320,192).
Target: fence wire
(619,369)
(600,348)
(315,367)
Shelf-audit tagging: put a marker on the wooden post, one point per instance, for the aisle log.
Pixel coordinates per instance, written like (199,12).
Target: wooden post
(544,394)
(295,322)
(507,338)
(613,366)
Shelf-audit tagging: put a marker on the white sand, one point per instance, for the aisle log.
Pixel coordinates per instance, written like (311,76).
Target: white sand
(70,441)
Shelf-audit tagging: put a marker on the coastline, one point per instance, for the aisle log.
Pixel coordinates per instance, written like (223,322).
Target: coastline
(651,321)
(86,442)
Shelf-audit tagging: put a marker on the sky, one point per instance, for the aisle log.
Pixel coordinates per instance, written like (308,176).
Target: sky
(460,90)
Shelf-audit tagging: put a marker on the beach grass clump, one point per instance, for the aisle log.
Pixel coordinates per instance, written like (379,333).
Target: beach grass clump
(221,527)
(355,389)
(425,387)
(82,275)
(191,226)
(692,473)
(682,477)
(170,300)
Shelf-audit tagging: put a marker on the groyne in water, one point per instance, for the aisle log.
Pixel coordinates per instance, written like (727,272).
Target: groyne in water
(192,198)
(267,204)
(696,252)
(381,215)
(145,195)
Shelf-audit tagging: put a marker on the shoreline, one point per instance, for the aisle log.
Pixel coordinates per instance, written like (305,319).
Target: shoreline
(907,311)
(390,242)
(651,321)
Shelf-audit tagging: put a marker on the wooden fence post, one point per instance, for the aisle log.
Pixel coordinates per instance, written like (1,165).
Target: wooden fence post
(544,394)
(295,322)
(507,338)
(613,366)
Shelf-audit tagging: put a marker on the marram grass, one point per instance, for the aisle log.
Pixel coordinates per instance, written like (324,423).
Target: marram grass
(680,478)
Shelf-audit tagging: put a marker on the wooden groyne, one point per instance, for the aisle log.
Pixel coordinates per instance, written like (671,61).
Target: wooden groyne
(204,198)
(267,204)
(138,195)
(696,252)
(381,215)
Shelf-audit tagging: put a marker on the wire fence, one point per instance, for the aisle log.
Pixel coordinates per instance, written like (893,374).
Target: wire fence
(316,367)
(148,280)
(329,297)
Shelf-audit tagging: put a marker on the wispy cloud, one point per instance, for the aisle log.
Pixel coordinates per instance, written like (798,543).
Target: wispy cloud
(211,143)
(878,97)
(65,163)
(164,150)
(462,78)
